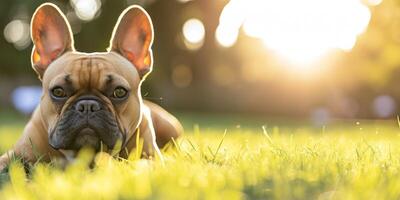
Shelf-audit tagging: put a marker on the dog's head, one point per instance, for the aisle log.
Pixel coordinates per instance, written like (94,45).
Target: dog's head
(90,98)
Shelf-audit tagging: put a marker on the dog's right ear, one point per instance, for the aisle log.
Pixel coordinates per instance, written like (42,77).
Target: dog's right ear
(51,36)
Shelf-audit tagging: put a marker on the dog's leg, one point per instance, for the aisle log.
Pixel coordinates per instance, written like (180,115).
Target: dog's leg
(147,135)
(24,148)
(146,131)
(22,151)
(5,159)
(166,126)
(32,145)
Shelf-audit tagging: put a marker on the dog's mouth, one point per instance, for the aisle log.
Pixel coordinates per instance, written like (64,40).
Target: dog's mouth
(84,137)
(87,137)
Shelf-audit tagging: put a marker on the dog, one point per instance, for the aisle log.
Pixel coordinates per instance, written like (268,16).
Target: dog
(92,99)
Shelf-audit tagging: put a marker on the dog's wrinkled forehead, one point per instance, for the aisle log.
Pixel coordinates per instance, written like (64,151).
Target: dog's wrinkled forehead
(91,71)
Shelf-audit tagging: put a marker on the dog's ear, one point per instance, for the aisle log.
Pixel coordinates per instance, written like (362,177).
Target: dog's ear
(132,38)
(51,36)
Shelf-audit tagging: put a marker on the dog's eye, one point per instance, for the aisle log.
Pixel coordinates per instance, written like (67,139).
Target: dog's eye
(58,92)
(120,92)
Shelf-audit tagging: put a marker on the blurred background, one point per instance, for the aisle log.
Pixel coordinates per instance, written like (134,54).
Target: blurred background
(310,59)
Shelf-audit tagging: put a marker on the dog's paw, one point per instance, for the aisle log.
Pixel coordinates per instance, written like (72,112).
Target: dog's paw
(3,167)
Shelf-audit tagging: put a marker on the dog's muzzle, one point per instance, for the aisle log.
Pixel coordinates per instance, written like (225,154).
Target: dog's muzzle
(86,124)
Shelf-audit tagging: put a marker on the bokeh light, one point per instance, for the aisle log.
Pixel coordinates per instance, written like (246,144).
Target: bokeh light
(301,31)
(384,106)
(184,1)
(230,21)
(182,76)
(74,21)
(222,75)
(194,33)
(17,33)
(26,98)
(320,116)
(86,10)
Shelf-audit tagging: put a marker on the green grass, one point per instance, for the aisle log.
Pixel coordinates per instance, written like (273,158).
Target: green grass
(341,161)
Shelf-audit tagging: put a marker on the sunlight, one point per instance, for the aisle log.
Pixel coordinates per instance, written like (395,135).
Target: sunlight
(300,31)
(374,2)
(225,36)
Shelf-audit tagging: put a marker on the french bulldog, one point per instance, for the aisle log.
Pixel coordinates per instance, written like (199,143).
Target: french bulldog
(92,99)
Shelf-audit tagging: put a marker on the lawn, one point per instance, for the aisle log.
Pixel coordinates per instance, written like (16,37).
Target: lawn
(346,160)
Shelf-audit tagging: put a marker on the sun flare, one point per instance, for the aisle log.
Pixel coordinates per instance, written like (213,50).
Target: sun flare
(299,31)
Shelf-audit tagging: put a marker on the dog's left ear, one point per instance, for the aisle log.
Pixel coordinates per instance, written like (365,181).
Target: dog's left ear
(132,38)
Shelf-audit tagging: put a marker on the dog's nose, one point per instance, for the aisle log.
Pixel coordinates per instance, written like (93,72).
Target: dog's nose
(87,106)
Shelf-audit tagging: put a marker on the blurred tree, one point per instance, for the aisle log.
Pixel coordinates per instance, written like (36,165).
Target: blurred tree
(246,77)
